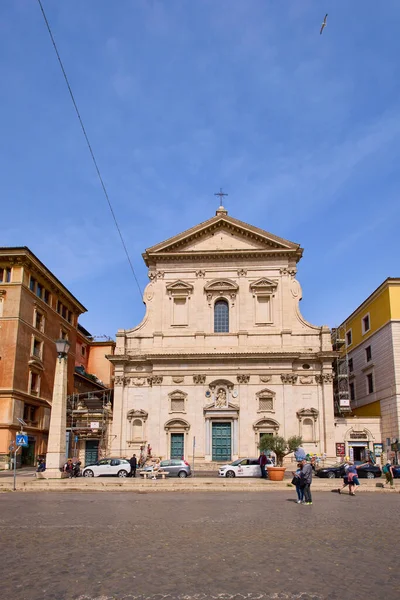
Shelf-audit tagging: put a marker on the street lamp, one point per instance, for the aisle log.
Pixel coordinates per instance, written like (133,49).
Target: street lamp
(56,446)
(63,347)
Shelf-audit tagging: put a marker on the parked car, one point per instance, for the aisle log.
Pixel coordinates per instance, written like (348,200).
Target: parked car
(107,467)
(176,467)
(338,470)
(396,471)
(243,467)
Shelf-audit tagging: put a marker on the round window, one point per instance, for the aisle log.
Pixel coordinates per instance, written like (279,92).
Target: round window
(306,366)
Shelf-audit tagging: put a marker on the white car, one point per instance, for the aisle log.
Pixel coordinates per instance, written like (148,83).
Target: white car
(244,467)
(108,466)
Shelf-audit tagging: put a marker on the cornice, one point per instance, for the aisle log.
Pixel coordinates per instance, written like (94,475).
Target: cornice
(190,355)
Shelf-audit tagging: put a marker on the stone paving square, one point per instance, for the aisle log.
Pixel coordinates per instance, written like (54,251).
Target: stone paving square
(226,546)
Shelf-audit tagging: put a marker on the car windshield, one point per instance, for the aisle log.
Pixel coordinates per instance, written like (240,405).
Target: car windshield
(236,462)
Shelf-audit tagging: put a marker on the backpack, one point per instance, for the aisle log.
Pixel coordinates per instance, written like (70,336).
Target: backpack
(385,469)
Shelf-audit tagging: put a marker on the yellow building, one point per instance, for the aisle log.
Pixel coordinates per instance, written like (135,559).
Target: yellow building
(371,342)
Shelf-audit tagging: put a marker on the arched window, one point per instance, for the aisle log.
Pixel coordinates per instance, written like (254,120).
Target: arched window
(221,317)
(137,429)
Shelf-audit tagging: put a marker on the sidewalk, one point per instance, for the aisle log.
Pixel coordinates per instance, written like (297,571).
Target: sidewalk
(193,484)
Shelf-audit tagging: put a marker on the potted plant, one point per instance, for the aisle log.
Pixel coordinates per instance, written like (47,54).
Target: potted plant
(281,448)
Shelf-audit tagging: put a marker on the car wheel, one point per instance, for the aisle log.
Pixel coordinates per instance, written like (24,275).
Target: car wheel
(331,475)
(122,473)
(88,473)
(182,474)
(230,474)
(370,475)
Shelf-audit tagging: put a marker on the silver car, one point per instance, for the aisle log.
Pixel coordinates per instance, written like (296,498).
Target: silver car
(176,467)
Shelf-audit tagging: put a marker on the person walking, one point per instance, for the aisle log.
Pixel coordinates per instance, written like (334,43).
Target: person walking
(262,461)
(297,481)
(306,479)
(389,473)
(352,477)
(133,463)
(345,478)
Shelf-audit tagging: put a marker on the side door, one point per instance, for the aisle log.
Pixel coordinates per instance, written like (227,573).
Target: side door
(165,465)
(103,467)
(175,468)
(243,468)
(114,466)
(255,467)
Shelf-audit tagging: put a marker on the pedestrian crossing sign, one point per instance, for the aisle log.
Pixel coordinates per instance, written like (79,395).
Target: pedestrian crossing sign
(21,439)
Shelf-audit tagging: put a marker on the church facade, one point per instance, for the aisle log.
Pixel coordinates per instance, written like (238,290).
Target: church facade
(223,355)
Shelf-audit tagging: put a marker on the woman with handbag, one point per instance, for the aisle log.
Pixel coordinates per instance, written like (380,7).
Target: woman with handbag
(296,481)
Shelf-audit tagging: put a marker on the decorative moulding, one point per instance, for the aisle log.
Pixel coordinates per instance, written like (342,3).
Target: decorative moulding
(179,288)
(178,379)
(289,378)
(199,379)
(307,412)
(324,378)
(155,380)
(242,378)
(265,378)
(263,286)
(306,379)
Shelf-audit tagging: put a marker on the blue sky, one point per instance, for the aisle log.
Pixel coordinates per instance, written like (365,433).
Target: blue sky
(180,97)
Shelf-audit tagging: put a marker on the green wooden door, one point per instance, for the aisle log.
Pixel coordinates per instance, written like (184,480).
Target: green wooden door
(177,446)
(221,441)
(91,452)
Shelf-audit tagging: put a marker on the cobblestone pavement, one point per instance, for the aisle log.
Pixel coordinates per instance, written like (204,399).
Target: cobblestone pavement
(222,546)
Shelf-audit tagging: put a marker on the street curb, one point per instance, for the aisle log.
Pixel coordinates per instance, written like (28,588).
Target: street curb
(186,486)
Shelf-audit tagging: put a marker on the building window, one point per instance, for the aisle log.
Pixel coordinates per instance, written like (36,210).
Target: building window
(177,401)
(351,366)
(265,404)
(30,414)
(180,311)
(37,348)
(368,353)
(32,284)
(63,334)
(370,383)
(263,310)
(46,296)
(352,391)
(366,326)
(221,317)
(177,405)
(34,383)
(39,320)
(83,350)
(349,337)
(39,290)
(5,275)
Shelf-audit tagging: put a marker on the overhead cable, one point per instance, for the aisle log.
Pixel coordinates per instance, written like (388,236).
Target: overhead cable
(90,147)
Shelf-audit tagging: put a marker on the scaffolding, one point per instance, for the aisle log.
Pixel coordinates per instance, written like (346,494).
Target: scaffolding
(89,417)
(341,387)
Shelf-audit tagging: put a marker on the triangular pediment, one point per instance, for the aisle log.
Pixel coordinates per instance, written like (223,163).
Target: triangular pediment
(222,234)
(263,285)
(179,286)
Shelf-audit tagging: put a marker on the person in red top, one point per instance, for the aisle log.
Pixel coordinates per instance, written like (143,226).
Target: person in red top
(262,461)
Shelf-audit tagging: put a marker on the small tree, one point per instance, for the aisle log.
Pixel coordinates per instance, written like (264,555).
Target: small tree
(281,447)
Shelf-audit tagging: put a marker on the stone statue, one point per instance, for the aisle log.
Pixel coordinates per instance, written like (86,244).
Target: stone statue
(220,399)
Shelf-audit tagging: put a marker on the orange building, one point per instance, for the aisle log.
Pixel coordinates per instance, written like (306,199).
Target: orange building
(35,310)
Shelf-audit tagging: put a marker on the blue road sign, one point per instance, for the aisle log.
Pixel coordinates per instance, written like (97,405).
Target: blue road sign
(21,439)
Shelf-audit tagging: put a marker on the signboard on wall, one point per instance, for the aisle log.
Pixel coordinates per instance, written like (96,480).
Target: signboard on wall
(340,449)
(94,425)
(378,449)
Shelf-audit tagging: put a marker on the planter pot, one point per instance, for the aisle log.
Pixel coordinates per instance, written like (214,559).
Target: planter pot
(276,473)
